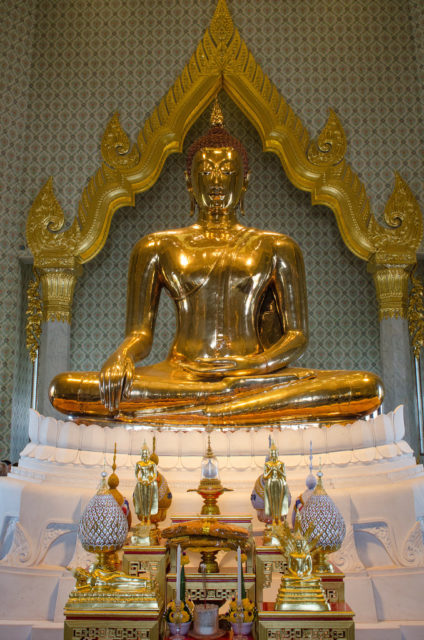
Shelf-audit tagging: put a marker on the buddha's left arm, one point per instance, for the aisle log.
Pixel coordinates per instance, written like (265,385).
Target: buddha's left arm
(290,289)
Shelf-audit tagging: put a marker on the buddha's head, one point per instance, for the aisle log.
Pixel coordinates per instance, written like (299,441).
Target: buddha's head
(217,167)
(273,452)
(145,453)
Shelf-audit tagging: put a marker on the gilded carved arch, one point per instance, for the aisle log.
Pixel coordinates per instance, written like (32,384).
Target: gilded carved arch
(222,60)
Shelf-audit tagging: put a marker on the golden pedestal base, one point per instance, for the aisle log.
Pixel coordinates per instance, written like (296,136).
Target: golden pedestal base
(270,560)
(131,625)
(301,594)
(219,586)
(302,625)
(136,560)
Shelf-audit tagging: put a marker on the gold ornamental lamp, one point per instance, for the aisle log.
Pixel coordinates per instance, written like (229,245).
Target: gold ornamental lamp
(210,486)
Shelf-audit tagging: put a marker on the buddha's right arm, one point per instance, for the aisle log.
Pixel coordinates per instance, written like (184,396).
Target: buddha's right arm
(143,293)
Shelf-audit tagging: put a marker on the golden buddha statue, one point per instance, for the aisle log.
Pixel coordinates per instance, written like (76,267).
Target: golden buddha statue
(300,590)
(145,496)
(240,299)
(276,493)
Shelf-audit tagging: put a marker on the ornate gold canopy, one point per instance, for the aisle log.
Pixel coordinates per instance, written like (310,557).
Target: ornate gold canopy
(223,61)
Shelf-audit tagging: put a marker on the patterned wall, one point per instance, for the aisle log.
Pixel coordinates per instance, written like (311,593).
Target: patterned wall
(74,62)
(16,41)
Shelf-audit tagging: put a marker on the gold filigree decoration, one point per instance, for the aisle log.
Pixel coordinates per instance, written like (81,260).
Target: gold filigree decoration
(45,234)
(34,314)
(330,147)
(403,216)
(391,285)
(222,60)
(116,148)
(416,314)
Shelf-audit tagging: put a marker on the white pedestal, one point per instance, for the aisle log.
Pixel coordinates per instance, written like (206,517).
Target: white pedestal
(369,470)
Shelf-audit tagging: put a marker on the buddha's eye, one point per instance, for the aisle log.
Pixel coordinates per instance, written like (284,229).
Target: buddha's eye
(227,170)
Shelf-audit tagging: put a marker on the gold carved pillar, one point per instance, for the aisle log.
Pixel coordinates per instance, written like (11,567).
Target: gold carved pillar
(391,283)
(57,290)
(58,266)
(393,258)
(57,286)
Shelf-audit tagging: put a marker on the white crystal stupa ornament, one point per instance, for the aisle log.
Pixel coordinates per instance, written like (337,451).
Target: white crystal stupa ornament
(103,526)
(327,524)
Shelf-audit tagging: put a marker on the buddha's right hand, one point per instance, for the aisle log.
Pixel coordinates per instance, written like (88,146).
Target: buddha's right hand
(115,381)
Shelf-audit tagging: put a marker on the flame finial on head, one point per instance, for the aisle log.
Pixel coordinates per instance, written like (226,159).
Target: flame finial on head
(217,137)
(217,118)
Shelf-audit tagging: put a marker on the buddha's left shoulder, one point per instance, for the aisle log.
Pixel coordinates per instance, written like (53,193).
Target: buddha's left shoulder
(278,241)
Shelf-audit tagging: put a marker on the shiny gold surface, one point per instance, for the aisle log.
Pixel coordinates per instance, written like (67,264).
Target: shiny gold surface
(100,588)
(219,586)
(222,60)
(57,288)
(208,536)
(303,625)
(300,591)
(221,276)
(276,495)
(145,498)
(34,314)
(416,314)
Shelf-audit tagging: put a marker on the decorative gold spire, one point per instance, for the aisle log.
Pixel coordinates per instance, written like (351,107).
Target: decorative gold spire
(113,482)
(209,452)
(154,456)
(217,119)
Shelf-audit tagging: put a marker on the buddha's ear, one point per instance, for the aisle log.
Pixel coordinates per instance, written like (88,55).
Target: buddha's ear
(190,193)
(188,181)
(246,181)
(243,191)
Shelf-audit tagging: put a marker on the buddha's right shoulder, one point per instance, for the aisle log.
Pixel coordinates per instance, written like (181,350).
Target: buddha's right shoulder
(154,242)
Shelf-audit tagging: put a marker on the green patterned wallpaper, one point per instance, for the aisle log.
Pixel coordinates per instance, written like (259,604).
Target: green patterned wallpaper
(74,62)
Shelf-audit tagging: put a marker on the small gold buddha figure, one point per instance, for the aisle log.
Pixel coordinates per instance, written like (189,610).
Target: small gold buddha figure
(240,300)
(300,590)
(276,495)
(145,496)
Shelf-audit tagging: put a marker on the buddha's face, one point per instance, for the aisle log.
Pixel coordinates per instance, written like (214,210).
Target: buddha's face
(217,178)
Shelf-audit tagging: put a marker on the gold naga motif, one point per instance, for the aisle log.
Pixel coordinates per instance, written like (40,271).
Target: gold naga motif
(34,315)
(416,314)
(222,61)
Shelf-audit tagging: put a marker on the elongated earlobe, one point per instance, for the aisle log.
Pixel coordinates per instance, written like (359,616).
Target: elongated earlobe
(241,204)
(192,203)
(190,193)
(243,191)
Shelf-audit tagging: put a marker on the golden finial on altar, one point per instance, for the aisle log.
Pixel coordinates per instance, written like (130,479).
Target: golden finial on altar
(209,452)
(210,486)
(217,119)
(113,481)
(154,456)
